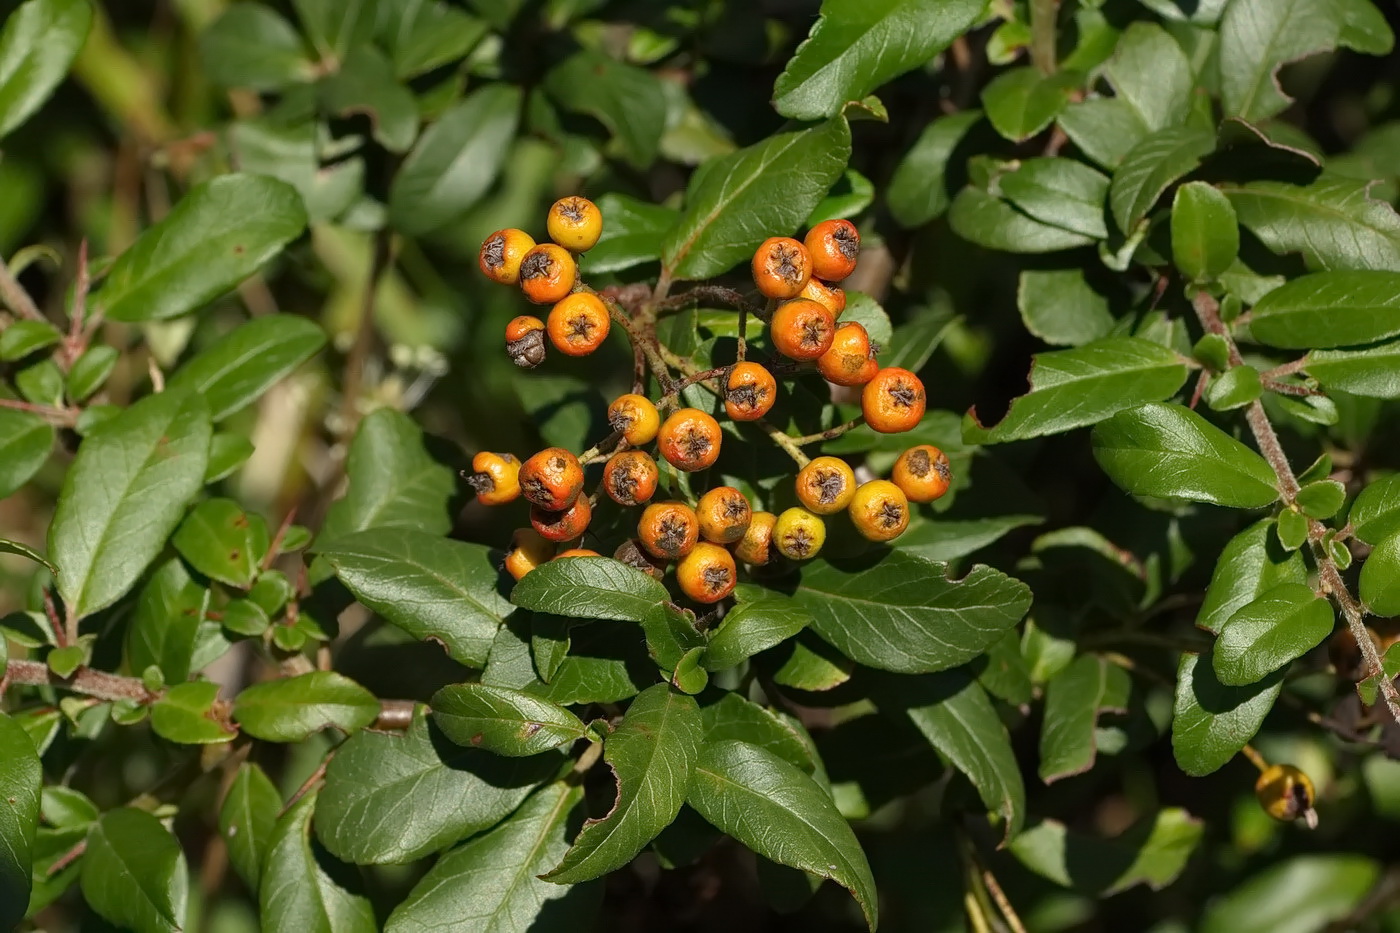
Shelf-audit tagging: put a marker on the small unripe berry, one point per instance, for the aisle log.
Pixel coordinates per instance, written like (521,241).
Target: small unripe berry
(636,417)
(668,530)
(828,296)
(879,510)
(578,324)
(707,574)
(848,362)
(893,401)
(834,246)
(575,223)
(551,479)
(527,551)
(724,515)
(496,477)
(630,477)
(923,473)
(781,267)
(802,329)
(799,534)
(756,547)
(631,553)
(689,440)
(826,485)
(501,255)
(564,525)
(525,341)
(547,274)
(1286,793)
(749,391)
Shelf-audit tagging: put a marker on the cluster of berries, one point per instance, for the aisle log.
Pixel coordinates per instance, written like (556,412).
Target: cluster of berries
(704,540)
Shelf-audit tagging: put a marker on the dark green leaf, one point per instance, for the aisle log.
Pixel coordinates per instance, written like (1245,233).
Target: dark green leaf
(549,643)
(632,232)
(1373,371)
(1300,895)
(185,714)
(1078,387)
(1283,623)
(1105,128)
(334,26)
(1059,307)
(1153,852)
(918,189)
(1073,699)
(40,41)
(761,620)
(590,588)
(734,717)
(25,442)
(134,872)
(1333,222)
(23,550)
(1205,235)
(222,541)
(1151,167)
(1061,192)
(423,34)
(735,202)
(391,798)
(243,364)
(217,235)
(857,45)
(988,221)
(365,84)
(1152,76)
(303,888)
(253,47)
(1380,577)
(20,778)
(1251,563)
(1329,309)
(123,496)
(628,100)
(247,817)
(90,371)
(502,720)
(166,626)
(1023,101)
(294,152)
(651,753)
(944,539)
(21,338)
(292,708)
(1170,452)
(782,814)
(1257,37)
(1211,721)
(1375,515)
(606,663)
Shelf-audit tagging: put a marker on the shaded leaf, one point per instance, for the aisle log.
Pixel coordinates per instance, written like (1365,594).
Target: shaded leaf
(20,778)
(40,41)
(1251,563)
(1212,722)
(1073,700)
(1062,192)
(1299,895)
(239,367)
(1153,852)
(134,873)
(1059,307)
(1151,167)
(247,817)
(988,221)
(25,442)
(302,887)
(1375,515)
(1333,222)
(628,100)
(1257,37)
(251,46)
(918,189)
(291,708)
(365,84)
(1380,577)
(1023,101)
(502,720)
(1205,236)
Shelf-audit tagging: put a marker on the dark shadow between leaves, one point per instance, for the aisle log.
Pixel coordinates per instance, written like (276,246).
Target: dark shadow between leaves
(1215,697)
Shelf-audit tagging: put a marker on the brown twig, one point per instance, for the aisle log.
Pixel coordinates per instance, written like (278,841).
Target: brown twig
(59,417)
(15,297)
(316,777)
(830,434)
(276,545)
(68,858)
(85,680)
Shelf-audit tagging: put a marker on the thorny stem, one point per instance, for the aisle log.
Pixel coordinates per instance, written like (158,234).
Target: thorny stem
(1208,311)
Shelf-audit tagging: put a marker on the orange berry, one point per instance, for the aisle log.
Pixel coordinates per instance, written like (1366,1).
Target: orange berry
(525,341)
(689,440)
(630,477)
(496,477)
(825,485)
(501,254)
(893,401)
(828,296)
(880,510)
(564,525)
(922,473)
(527,551)
(547,274)
(707,574)
(781,267)
(724,515)
(668,530)
(577,552)
(636,417)
(756,547)
(749,391)
(799,534)
(802,329)
(631,553)
(575,223)
(551,479)
(578,324)
(834,246)
(848,362)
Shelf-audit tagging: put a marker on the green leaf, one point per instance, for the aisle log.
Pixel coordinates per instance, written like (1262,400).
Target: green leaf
(424,34)
(227,453)
(1257,37)
(1023,101)
(90,371)
(1205,235)
(394,482)
(365,84)
(1375,515)
(222,541)
(945,539)
(1329,309)
(429,586)
(165,628)
(954,713)
(1154,852)
(632,232)
(64,661)
(735,202)
(20,778)
(1170,452)
(250,46)
(455,161)
(1234,388)
(124,495)
(1333,222)
(1105,128)
(782,814)
(491,883)
(590,588)
(1373,371)
(290,709)
(1152,76)
(1380,577)
(40,41)
(734,717)
(303,888)
(185,715)
(502,720)
(628,100)
(1211,722)
(689,676)
(25,442)
(761,620)
(857,45)
(1151,167)
(1302,894)
(918,189)
(1321,499)
(1251,564)
(23,550)
(549,643)
(134,873)
(651,753)
(333,26)
(990,222)
(302,155)
(21,338)
(392,798)
(239,367)
(1061,192)
(217,235)
(1073,388)
(1282,624)
(1073,700)
(247,818)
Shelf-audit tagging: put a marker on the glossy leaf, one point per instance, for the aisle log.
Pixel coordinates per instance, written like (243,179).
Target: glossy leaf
(216,236)
(1073,700)
(782,814)
(918,189)
(303,888)
(1023,101)
(502,720)
(1283,623)
(1334,223)
(1375,515)
(1321,499)
(1329,309)
(1170,452)
(734,717)
(1059,307)
(628,100)
(166,627)
(1212,722)
(1062,192)
(1256,38)
(20,779)
(757,623)
(40,41)
(123,496)
(292,708)
(1380,577)
(988,221)
(651,753)
(590,588)
(1154,852)
(222,541)
(1152,76)
(134,873)
(23,550)
(1151,167)
(632,232)
(247,818)
(1373,371)
(239,367)
(857,45)
(185,714)
(1251,564)
(1205,236)
(25,442)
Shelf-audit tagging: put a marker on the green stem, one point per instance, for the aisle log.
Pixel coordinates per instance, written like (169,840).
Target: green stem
(1044,14)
